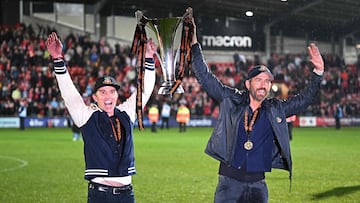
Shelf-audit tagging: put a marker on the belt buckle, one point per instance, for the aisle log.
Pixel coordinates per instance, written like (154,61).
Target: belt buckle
(103,189)
(117,191)
(91,186)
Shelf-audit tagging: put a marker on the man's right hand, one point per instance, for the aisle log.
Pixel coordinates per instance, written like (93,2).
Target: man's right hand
(151,49)
(54,46)
(194,37)
(316,59)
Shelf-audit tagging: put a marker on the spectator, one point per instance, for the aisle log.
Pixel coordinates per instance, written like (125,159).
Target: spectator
(153,115)
(22,113)
(165,115)
(183,116)
(24,58)
(338,115)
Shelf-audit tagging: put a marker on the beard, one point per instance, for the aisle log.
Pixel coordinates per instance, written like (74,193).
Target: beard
(259,94)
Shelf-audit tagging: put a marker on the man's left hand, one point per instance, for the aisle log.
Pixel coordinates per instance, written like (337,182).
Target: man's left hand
(54,46)
(315,58)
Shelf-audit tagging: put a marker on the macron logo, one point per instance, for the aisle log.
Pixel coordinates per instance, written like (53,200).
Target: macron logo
(227,41)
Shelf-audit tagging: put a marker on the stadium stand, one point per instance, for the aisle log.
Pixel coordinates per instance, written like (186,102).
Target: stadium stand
(26,72)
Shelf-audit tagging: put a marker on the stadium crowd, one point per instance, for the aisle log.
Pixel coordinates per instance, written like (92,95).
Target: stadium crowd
(26,72)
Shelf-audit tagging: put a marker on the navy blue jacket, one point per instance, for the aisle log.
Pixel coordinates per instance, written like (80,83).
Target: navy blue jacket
(233,103)
(104,156)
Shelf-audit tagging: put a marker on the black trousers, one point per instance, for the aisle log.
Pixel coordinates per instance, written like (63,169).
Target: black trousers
(98,193)
(22,123)
(182,127)
(165,122)
(337,123)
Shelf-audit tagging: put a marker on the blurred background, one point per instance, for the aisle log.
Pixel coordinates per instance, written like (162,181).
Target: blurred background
(235,36)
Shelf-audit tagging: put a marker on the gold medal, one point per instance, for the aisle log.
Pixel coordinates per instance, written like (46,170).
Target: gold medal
(248,145)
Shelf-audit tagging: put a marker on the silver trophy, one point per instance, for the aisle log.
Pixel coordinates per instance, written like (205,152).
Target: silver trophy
(166,30)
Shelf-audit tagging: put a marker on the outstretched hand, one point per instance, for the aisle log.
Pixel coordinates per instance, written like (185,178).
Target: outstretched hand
(191,16)
(54,46)
(316,58)
(151,48)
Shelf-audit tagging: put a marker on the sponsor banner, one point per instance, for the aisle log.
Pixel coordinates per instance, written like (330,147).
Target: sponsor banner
(307,121)
(35,123)
(229,34)
(301,121)
(194,122)
(325,121)
(201,122)
(46,122)
(9,122)
(353,121)
(57,122)
(225,41)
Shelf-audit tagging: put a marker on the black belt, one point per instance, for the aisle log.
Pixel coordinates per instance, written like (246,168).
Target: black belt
(111,189)
(240,174)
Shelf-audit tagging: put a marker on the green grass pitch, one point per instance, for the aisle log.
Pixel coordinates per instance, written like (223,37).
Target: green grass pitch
(46,166)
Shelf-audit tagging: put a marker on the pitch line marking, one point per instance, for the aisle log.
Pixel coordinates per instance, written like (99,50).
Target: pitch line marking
(22,164)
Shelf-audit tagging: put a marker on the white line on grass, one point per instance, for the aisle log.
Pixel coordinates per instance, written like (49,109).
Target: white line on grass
(22,163)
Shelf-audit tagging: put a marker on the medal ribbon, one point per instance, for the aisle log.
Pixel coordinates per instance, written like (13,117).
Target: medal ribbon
(249,127)
(138,48)
(248,145)
(185,50)
(117,132)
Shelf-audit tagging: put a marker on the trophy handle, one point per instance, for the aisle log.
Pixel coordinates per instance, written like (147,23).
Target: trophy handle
(188,14)
(165,30)
(140,18)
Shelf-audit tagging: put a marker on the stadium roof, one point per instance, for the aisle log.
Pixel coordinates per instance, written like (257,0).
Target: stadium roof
(335,17)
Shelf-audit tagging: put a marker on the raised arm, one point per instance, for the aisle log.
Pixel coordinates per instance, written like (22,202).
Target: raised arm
(149,82)
(208,81)
(308,96)
(72,98)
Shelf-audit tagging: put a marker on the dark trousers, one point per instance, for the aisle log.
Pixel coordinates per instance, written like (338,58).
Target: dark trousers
(98,193)
(165,122)
(182,127)
(153,127)
(337,123)
(230,190)
(22,123)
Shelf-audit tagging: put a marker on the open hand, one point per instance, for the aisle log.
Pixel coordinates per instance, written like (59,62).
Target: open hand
(151,48)
(54,46)
(316,58)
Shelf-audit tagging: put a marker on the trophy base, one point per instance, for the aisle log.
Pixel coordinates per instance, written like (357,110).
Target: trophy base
(166,87)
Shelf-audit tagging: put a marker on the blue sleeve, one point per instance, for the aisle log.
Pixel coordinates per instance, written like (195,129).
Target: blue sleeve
(208,81)
(305,98)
